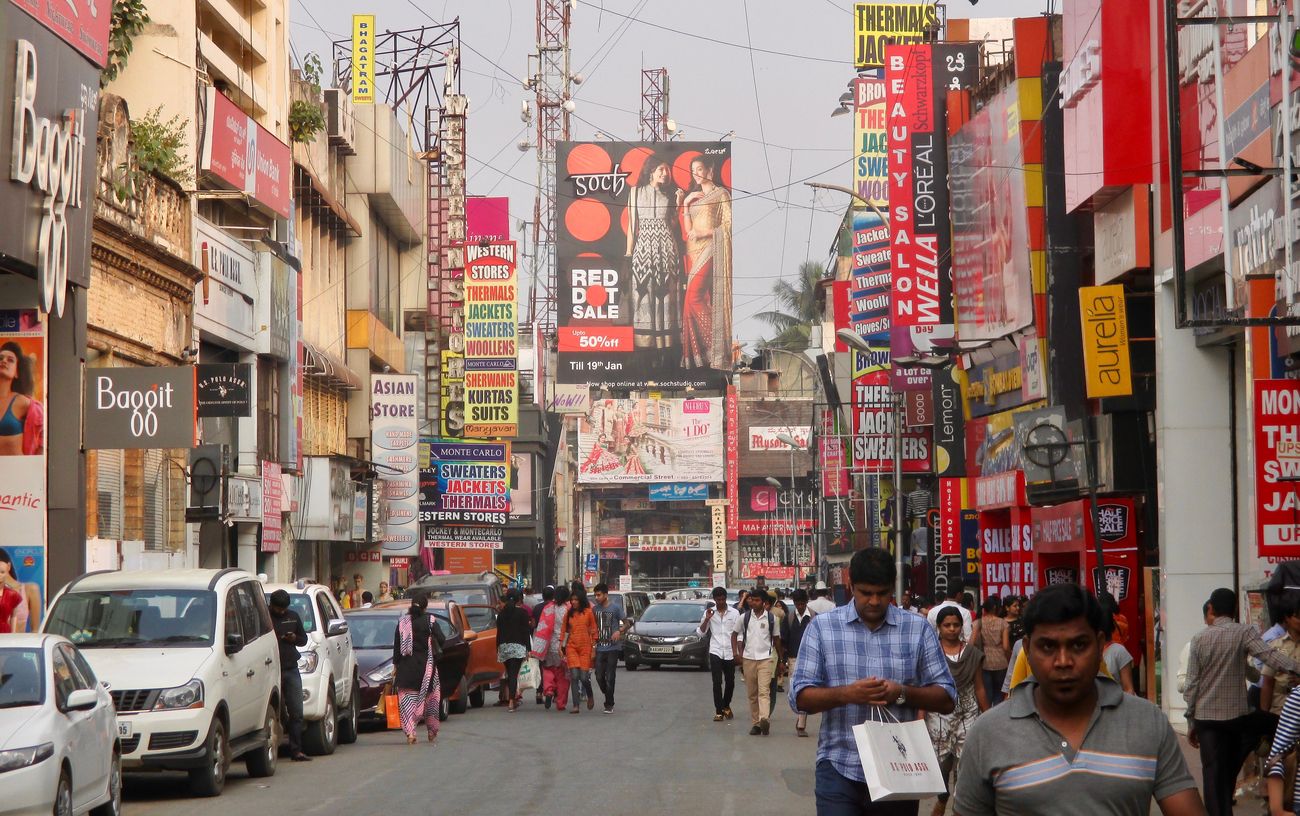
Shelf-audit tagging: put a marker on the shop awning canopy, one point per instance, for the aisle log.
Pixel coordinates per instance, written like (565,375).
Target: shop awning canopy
(328,368)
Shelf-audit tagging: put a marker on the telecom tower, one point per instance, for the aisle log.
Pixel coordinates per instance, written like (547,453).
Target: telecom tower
(654,105)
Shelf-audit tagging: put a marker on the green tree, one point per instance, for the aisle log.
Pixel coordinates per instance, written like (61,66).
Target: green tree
(796,308)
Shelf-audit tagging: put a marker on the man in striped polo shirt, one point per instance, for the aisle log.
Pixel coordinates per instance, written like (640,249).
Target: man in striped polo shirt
(1069,741)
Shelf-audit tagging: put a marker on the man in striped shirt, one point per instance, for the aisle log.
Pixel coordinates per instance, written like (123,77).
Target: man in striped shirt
(1069,742)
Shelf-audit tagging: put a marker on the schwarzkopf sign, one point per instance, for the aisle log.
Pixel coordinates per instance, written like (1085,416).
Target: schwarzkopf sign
(139,408)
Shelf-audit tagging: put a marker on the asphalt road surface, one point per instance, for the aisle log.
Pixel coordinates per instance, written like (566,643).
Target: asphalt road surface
(659,752)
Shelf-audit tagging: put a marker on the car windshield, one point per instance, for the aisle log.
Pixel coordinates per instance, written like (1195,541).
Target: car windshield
(673,613)
(302,604)
(376,631)
(479,618)
(22,682)
(135,617)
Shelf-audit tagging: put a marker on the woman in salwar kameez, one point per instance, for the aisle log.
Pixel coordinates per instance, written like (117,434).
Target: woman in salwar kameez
(417,643)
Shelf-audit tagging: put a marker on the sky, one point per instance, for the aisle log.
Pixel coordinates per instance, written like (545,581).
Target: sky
(778,104)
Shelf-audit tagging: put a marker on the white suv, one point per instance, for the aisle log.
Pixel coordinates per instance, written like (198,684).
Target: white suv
(191,660)
(328,667)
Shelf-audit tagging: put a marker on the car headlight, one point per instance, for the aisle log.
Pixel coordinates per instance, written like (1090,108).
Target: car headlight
(308,661)
(633,637)
(17,758)
(692,639)
(189,695)
(381,675)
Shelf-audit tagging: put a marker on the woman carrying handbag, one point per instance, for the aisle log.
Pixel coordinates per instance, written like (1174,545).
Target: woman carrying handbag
(417,645)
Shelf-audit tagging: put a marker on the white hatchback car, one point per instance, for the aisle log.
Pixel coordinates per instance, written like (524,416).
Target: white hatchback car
(328,667)
(58,733)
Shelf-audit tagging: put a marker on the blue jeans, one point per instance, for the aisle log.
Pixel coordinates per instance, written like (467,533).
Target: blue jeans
(291,693)
(837,795)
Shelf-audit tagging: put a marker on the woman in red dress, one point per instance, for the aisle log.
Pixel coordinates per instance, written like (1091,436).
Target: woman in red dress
(13,607)
(706,312)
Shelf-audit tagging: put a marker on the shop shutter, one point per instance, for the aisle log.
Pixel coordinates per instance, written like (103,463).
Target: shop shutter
(108,493)
(156,504)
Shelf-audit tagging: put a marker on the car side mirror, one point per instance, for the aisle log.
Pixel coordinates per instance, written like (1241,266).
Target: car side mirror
(337,627)
(234,643)
(81,700)
(470,635)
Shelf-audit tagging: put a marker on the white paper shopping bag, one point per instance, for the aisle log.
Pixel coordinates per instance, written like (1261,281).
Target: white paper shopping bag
(530,675)
(898,759)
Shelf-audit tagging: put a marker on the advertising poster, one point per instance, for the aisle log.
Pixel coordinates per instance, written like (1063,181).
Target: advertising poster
(636,441)
(1106,367)
(22,465)
(363,56)
(645,263)
(870,297)
(463,538)
(733,461)
(949,423)
(878,25)
(491,341)
(273,506)
(394,444)
(1006,557)
(873,430)
(464,483)
(871,167)
(1277,463)
(521,485)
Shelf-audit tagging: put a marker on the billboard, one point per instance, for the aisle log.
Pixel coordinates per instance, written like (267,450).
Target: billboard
(1277,464)
(394,446)
(23,496)
(871,167)
(491,340)
(645,263)
(877,25)
(640,441)
(873,430)
(464,483)
(870,296)
(363,53)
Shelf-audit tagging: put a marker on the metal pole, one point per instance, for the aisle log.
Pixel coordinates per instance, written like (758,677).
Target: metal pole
(794,542)
(898,497)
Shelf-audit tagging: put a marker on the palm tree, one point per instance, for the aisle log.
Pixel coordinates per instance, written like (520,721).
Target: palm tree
(796,311)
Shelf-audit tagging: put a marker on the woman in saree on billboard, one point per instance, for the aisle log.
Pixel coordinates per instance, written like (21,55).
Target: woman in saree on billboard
(656,262)
(706,308)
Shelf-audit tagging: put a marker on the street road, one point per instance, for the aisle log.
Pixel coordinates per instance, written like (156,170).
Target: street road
(659,752)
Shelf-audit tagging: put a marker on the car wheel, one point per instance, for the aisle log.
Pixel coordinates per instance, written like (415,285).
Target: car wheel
(261,763)
(654,667)
(63,796)
(113,807)
(348,725)
(211,778)
(461,704)
(320,738)
(632,665)
(444,710)
(477,697)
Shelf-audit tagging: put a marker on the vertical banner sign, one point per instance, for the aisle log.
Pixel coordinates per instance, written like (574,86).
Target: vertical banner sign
(871,166)
(272,506)
(878,25)
(870,301)
(452,375)
(719,538)
(363,54)
(733,463)
(834,460)
(394,446)
(949,423)
(1277,464)
(952,500)
(491,341)
(22,459)
(1104,318)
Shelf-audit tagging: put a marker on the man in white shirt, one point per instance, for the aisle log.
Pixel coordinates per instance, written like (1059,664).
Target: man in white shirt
(956,588)
(822,602)
(718,625)
(755,638)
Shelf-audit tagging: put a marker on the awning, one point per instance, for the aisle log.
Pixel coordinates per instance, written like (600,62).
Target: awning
(328,368)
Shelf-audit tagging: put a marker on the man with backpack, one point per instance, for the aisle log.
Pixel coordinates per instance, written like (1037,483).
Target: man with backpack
(755,639)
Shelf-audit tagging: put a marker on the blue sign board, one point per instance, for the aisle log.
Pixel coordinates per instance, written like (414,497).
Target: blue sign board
(593,562)
(679,491)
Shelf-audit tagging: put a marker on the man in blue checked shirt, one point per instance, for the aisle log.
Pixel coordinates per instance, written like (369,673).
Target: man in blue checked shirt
(867,653)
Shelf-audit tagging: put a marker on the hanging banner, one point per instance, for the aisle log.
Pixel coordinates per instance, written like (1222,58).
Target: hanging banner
(1104,318)
(871,167)
(363,53)
(1277,463)
(23,504)
(869,297)
(952,502)
(634,441)
(491,341)
(949,423)
(394,447)
(733,461)
(873,430)
(878,25)
(272,507)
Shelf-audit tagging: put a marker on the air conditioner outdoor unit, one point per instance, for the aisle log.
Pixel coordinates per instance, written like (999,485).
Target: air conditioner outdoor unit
(339,124)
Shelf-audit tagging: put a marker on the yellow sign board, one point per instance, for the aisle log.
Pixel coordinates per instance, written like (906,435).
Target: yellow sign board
(1107,370)
(363,55)
(877,25)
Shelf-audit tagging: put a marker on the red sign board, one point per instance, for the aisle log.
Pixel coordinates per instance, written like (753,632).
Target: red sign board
(952,495)
(733,462)
(772,572)
(272,506)
(873,430)
(82,24)
(246,155)
(1277,462)
(774,526)
(1006,555)
(487,219)
(909,80)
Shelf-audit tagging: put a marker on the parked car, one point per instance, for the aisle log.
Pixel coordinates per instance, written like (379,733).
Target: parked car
(58,733)
(191,661)
(479,589)
(478,623)
(687,594)
(372,633)
(634,604)
(665,634)
(328,666)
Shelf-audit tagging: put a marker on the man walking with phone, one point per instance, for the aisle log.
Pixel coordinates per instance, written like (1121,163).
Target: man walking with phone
(755,639)
(719,626)
(290,634)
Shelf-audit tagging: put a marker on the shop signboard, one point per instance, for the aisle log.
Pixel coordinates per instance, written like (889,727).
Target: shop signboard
(465,492)
(1256,236)
(638,441)
(772,572)
(569,398)
(1104,318)
(1121,232)
(949,422)
(245,155)
(774,526)
(244,499)
(487,218)
(765,438)
(521,486)
(733,460)
(869,298)
(463,538)
(394,446)
(325,504)
(995,386)
(719,518)
(224,299)
(272,507)
(878,25)
(675,542)
(222,389)
(1277,465)
(139,407)
(491,340)
(871,165)
(639,308)
(363,55)
(679,491)
(360,514)
(873,431)
(1006,556)
(83,24)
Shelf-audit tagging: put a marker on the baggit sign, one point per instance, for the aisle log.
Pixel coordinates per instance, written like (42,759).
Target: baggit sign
(246,155)
(1277,461)
(1106,366)
(139,408)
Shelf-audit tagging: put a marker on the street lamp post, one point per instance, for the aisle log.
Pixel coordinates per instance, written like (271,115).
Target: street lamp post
(774,482)
(792,444)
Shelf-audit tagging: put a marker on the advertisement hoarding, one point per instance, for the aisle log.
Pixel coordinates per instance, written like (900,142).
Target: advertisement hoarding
(635,441)
(870,298)
(873,430)
(1106,368)
(140,407)
(394,446)
(645,263)
(878,25)
(363,54)
(491,340)
(23,494)
(1277,462)
(733,461)
(463,538)
(871,166)
(464,482)
(245,155)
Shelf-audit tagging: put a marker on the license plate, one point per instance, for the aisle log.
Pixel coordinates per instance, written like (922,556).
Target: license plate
(661,649)
(125,729)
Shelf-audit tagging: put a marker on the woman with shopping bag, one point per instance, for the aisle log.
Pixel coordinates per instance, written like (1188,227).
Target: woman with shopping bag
(948,731)
(417,645)
(513,641)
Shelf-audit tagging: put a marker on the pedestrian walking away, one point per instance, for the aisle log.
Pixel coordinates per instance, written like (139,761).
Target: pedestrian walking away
(1069,741)
(1275,686)
(948,731)
(612,624)
(1284,742)
(548,648)
(580,647)
(820,601)
(513,641)
(792,636)
(719,625)
(417,645)
(756,638)
(539,652)
(990,634)
(865,656)
(1219,719)
(290,634)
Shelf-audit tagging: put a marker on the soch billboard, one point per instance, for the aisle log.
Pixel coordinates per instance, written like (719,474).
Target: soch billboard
(645,263)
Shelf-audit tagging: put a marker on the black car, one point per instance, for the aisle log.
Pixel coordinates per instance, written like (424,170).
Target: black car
(372,639)
(666,634)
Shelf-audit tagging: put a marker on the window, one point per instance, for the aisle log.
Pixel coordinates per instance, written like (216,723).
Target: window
(326,614)
(232,615)
(64,682)
(82,676)
(108,493)
(268,411)
(250,615)
(93,619)
(156,504)
(22,677)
